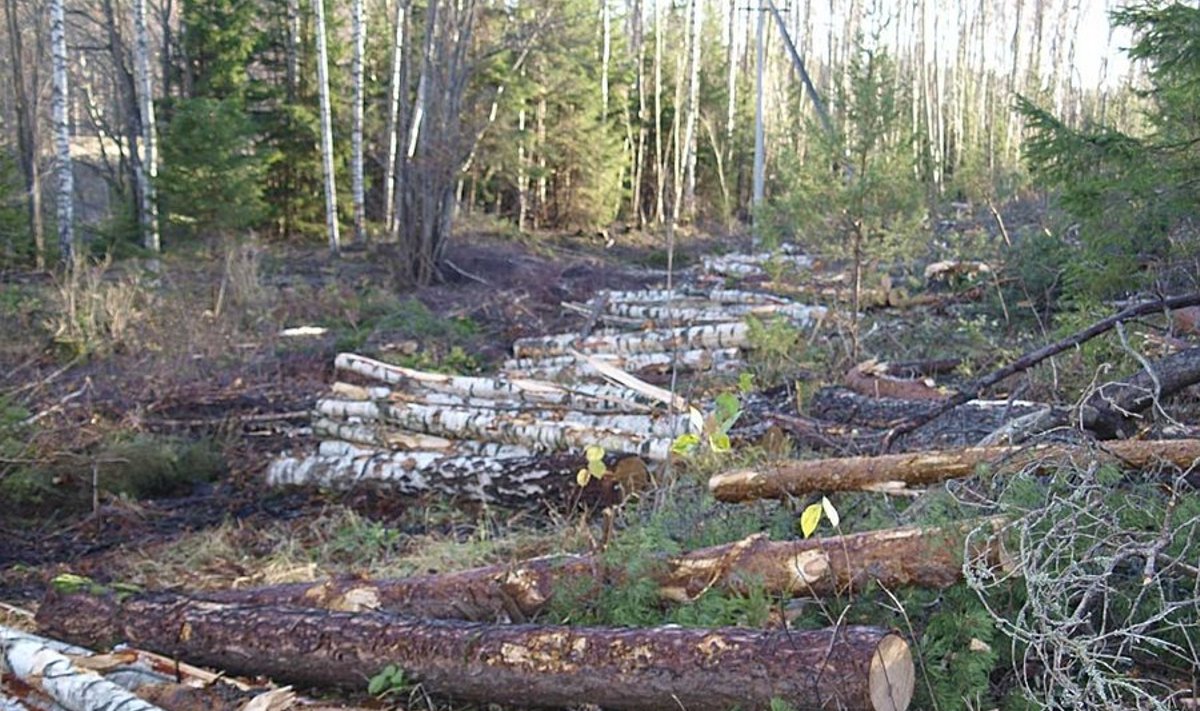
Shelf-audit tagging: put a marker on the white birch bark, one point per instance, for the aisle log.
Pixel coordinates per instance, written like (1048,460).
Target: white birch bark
(660,160)
(759,179)
(62,134)
(149,172)
(519,390)
(722,335)
(358,31)
(393,120)
(292,62)
(32,660)
(690,140)
(418,112)
(331,216)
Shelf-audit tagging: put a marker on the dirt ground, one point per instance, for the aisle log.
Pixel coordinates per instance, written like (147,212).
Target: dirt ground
(187,374)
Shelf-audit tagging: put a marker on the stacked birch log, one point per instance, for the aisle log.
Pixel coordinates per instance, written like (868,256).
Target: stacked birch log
(518,437)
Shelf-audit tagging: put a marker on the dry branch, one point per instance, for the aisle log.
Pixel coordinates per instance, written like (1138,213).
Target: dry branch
(973,389)
(847,667)
(896,473)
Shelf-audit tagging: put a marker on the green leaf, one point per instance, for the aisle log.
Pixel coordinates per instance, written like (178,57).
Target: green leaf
(719,441)
(382,681)
(727,406)
(746,382)
(594,452)
(831,513)
(596,468)
(809,519)
(685,443)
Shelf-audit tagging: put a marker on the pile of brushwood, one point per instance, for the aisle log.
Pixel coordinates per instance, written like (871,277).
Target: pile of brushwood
(1069,535)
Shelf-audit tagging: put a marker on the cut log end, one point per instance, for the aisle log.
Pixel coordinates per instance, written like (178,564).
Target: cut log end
(892,677)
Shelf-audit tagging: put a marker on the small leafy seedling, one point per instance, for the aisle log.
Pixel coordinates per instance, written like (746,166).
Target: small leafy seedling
(713,429)
(390,680)
(595,468)
(811,516)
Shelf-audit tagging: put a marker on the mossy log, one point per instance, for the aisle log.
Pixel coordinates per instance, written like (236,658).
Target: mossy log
(895,557)
(525,665)
(897,473)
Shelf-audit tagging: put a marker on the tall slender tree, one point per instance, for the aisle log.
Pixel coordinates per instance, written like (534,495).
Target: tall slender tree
(25,76)
(331,216)
(358,31)
(149,203)
(62,134)
(393,117)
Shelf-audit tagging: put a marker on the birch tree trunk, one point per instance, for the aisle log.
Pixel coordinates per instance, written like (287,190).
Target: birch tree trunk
(759,148)
(62,137)
(393,121)
(292,62)
(27,129)
(149,173)
(639,151)
(660,161)
(358,31)
(331,217)
(693,109)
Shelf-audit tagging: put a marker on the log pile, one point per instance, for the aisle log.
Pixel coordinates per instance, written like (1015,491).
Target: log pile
(518,437)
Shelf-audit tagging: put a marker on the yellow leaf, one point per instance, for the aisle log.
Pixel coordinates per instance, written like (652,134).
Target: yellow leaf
(830,512)
(685,443)
(582,477)
(719,442)
(596,468)
(809,519)
(594,452)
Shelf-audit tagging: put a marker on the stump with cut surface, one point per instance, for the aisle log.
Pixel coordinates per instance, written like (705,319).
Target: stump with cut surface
(528,665)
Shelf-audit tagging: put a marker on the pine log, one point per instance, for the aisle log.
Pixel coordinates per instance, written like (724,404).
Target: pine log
(526,665)
(897,557)
(896,473)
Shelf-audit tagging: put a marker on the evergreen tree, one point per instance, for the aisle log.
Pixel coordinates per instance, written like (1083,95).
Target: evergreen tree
(1134,196)
(211,178)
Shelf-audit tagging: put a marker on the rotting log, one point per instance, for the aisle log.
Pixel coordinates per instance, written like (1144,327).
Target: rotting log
(896,473)
(526,665)
(1114,409)
(896,557)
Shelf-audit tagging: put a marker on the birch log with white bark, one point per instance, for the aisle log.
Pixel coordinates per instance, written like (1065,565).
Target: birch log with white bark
(36,663)
(722,335)
(523,390)
(149,173)
(62,134)
(331,216)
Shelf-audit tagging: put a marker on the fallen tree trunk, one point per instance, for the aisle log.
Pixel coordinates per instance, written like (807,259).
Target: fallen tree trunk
(895,473)
(698,669)
(721,335)
(897,557)
(509,478)
(1114,410)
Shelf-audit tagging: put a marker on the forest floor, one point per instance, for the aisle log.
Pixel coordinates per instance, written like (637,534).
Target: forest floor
(139,407)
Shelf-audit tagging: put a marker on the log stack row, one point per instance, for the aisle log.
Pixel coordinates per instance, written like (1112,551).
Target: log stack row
(519,437)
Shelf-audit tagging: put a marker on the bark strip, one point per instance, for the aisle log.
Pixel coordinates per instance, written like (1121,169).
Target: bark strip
(896,473)
(698,669)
